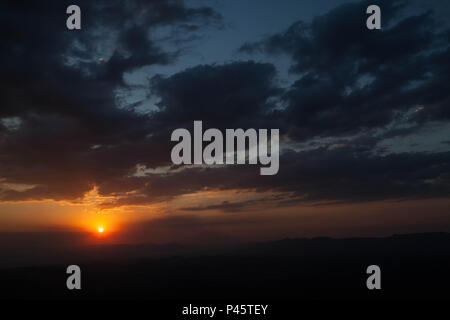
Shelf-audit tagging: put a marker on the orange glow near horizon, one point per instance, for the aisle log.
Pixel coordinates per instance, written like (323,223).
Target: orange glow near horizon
(169,221)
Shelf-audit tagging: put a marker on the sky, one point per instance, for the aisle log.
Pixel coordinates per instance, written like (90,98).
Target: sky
(86,118)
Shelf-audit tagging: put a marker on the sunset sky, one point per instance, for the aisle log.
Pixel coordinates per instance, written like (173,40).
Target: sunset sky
(86,117)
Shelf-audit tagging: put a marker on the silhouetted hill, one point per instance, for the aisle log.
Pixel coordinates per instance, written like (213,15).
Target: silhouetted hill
(414,266)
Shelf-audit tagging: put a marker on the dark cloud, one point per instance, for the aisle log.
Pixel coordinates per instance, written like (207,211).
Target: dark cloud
(224,206)
(61,87)
(342,174)
(236,206)
(63,132)
(353,78)
(225,96)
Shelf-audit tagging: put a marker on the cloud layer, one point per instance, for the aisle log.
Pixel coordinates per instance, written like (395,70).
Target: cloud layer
(64,130)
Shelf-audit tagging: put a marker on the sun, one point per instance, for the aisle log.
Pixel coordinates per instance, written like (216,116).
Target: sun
(100,229)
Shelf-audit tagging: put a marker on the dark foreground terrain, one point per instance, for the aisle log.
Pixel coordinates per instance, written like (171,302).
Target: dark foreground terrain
(413,267)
